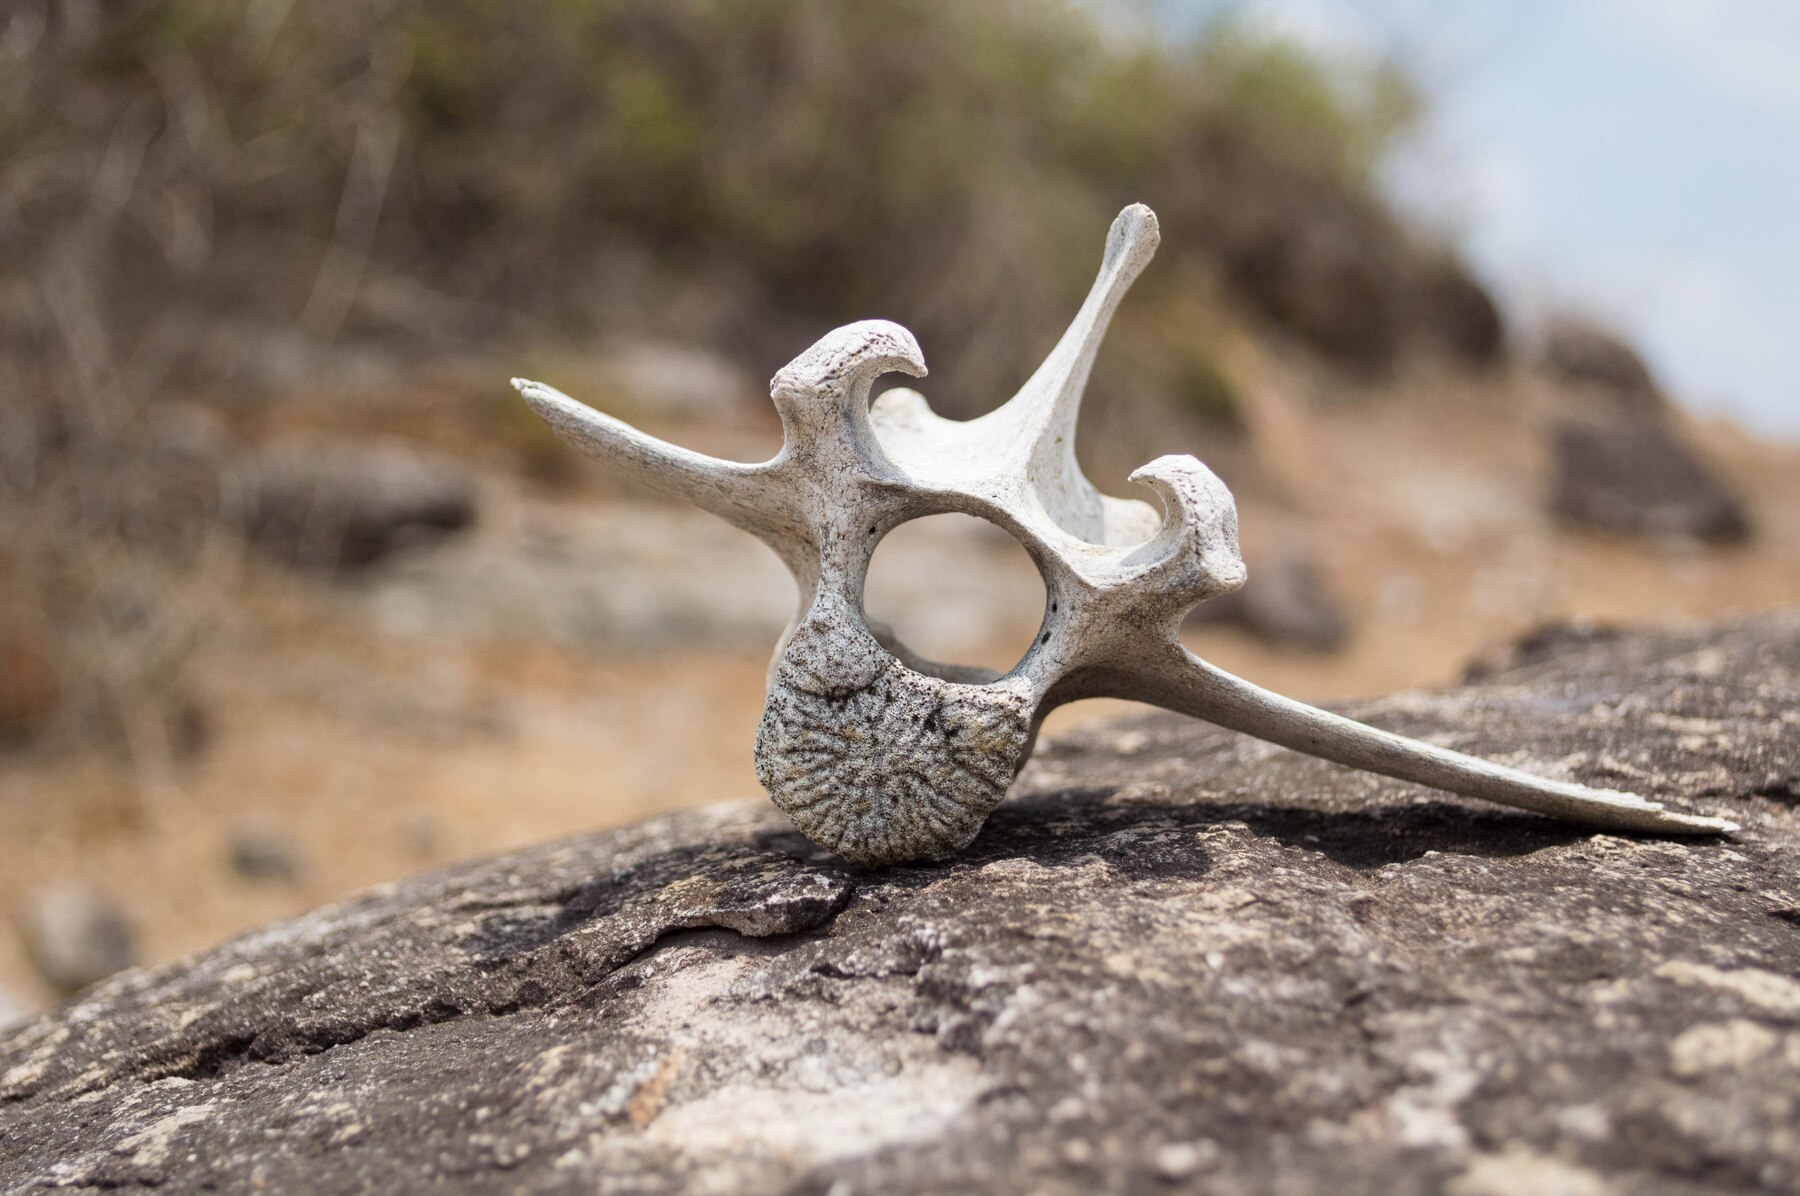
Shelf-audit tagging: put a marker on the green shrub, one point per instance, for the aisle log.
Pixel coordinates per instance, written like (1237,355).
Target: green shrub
(827,159)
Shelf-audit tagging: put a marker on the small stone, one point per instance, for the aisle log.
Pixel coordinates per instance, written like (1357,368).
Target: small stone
(76,937)
(264,855)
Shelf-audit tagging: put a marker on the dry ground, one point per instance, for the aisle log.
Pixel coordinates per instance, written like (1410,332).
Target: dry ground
(379,745)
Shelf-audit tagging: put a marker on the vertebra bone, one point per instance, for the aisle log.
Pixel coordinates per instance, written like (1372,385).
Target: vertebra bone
(884,757)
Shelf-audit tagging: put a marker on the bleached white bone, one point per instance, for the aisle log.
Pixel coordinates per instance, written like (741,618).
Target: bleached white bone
(884,757)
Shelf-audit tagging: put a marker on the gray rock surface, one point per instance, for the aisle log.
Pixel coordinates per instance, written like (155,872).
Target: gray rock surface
(1174,960)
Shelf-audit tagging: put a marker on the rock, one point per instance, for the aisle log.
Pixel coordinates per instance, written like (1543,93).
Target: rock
(1175,959)
(1460,313)
(1581,352)
(1631,475)
(1344,281)
(645,575)
(28,684)
(628,574)
(264,855)
(1539,645)
(76,937)
(333,506)
(1179,1160)
(1326,282)
(1324,264)
(1286,601)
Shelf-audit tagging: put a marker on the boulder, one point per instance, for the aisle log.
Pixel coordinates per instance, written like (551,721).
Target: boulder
(328,506)
(1579,351)
(1176,960)
(1328,283)
(1459,313)
(76,936)
(1323,264)
(1286,601)
(1632,475)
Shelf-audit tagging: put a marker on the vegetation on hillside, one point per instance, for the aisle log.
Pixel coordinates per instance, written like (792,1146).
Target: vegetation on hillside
(442,168)
(214,198)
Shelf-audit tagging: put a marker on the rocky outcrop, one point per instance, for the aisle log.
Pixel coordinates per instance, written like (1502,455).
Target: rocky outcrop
(1174,960)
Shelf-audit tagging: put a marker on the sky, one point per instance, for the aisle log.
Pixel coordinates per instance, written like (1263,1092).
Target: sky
(1635,159)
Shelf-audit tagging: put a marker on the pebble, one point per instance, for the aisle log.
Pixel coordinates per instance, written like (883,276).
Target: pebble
(264,855)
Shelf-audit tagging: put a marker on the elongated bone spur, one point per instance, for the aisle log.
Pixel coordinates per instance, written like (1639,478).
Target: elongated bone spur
(884,757)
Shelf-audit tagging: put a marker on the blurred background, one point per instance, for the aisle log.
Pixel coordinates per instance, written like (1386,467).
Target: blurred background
(1475,307)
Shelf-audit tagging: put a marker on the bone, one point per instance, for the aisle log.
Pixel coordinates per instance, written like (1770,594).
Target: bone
(885,758)
(822,396)
(740,494)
